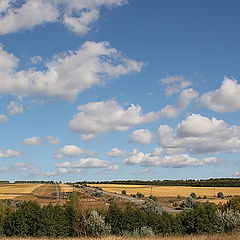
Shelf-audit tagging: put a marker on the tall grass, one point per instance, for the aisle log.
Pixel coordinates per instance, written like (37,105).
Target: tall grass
(193,237)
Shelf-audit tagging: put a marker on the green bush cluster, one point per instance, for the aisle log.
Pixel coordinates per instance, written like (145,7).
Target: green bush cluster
(28,219)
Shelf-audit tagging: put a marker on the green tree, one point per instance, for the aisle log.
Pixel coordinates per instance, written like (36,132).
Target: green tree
(75,215)
(114,217)
(202,219)
(54,222)
(25,221)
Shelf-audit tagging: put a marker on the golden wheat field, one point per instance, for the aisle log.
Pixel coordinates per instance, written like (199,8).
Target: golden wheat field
(66,188)
(169,191)
(196,237)
(18,188)
(12,191)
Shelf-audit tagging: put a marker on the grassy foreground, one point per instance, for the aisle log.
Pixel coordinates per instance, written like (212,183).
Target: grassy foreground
(195,237)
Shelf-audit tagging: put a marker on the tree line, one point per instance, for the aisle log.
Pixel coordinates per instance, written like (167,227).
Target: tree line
(29,219)
(39,182)
(212,182)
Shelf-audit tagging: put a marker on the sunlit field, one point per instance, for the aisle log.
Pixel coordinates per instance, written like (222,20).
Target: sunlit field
(8,196)
(18,188)
(169,191)
(66,188)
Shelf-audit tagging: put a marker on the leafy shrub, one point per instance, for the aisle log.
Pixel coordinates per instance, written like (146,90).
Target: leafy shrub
(152,197)
(139,195)
(220,195)
(189,203)
(193,195)
(179,197)
(202,219)
(232,203)
(96,226)
(229,220)
(96,194)
(164,224)
(143,232)
(124,192)
(133,218)
(151,206)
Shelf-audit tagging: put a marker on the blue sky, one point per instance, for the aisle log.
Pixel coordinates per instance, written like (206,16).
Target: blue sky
(117,89)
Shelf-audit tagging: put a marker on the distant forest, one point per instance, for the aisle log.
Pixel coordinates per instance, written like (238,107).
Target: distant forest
(212,182)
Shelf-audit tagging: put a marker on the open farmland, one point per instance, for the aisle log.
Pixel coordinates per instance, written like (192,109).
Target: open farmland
(11,191)
(42,193)
(169,191)
(18,188)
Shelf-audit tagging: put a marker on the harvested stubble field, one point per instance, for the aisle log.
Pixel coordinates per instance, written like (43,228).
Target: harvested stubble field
(18,188)
(42,193)
(169,191)
(196,237)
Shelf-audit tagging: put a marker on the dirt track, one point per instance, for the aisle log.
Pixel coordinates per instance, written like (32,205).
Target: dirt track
(131,199)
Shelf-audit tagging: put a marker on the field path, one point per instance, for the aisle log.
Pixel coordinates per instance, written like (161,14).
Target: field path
(131,199)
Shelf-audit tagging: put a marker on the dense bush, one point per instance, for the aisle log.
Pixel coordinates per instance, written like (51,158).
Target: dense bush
(189,203)
(96,194)
(152,197)
(232,203)
(54,222)
(220,195)
(202,219)
(151,206)
(229,220)
(124,192)
(193,195)
(96,226)
(139,195)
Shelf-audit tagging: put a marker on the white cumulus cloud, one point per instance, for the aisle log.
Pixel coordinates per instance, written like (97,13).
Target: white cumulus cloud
(115,152)
(225,99)
(185,98)
(199,134)
(143,136)
(52,140)
(171,161)
(3,118)
(66,75)
(14,108)
(100,117)
(105,116)
(87,163)
(175,84)
(30,14)
(9,153)
(63,171)
(76,15)
(34,141)
(71,151)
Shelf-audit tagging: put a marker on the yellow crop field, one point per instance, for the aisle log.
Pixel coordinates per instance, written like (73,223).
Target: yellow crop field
(9,196)
(18,188)
(169,191)
(66,188)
